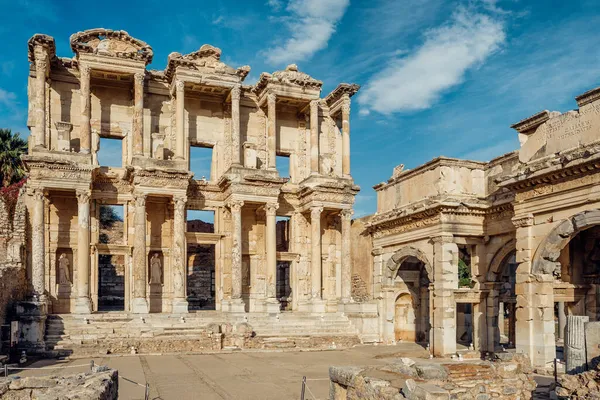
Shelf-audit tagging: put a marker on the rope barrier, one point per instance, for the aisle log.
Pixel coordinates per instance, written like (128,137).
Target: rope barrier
(134,382)
(311,393)
(323,379)
(65,367)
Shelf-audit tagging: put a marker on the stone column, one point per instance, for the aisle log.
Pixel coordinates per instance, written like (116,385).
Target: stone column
(315,241)
(575,354)
(82,303)
(138,114)
(180,304)
(346,277)
(179,120)
(271,131)
(346,136)
(501,318)
(444,307)
(236,304)
(314,137)
(271,250)
(236,158)
(562,319)
(41,66)
(85,128)
(140,268)
(38,242)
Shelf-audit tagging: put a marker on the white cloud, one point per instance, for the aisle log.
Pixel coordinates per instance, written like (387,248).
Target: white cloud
(274,4)
(311,24)
(7,98)
(416,81)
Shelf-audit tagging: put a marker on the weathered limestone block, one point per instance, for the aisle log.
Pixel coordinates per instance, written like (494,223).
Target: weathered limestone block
(423,391)
(592,344)
(575,354)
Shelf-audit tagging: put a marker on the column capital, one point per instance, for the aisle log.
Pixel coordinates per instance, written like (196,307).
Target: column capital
(347,213)
(271,99)
(180,199)
(236,92)
(140,199)
(84,70)
(443,239)
(271,209)
(38,194)
(83,196)
(315,211)
(179,85)
(523,221)
(41,64)
(315,104)
(346,104)
(139,78)
(235,205)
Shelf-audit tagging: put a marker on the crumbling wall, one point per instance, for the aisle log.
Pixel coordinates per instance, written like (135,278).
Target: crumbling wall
(99,385)
(581,386)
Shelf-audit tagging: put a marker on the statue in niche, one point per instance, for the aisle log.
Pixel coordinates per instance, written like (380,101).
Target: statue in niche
(155,270)
(63,270)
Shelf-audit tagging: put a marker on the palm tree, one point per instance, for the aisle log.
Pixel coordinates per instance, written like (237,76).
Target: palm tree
(11,148)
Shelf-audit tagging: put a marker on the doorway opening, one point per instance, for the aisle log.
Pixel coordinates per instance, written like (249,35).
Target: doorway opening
(111,282)
(201,276)
(283,288)
(283,233)
(464,324)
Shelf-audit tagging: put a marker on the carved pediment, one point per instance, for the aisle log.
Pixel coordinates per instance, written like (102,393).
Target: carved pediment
(207,59)
(291,76)
(111,43)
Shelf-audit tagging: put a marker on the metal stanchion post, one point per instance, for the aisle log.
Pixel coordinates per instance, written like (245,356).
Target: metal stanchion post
(303,388)
(556,370)
(92,365)
(5,370)
(147,395)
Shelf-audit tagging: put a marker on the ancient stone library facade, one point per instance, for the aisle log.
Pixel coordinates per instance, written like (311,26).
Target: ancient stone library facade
(460,256)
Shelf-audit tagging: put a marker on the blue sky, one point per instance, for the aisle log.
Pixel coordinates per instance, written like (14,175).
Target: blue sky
(438,77)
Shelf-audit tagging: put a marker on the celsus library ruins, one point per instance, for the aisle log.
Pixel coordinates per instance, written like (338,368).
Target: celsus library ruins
(461,256)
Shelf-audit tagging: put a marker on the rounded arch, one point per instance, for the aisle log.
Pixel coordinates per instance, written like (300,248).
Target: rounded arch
(498,258)
(401,255)
(545,260)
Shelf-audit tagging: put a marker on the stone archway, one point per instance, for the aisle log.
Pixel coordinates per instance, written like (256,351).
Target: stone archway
(545,260)
(394,263)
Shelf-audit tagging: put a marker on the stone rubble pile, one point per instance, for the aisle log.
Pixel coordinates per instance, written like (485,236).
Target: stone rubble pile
(585,385)
(407,379)
(101,384)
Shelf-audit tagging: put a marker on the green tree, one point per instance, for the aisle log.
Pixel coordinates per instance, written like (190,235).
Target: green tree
(464,274)
(12,146)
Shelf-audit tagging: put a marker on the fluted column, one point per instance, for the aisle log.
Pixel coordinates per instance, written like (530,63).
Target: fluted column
(138,114)
(179,120)
(315,240)
(271,250)
(271,131)
(236,250)
(314,137)
(82,303)
(346,136)
(236,158)
(41,65)
(575,353)
(180,304)
(346,283)
(86,109)
(140,303)
(38,251)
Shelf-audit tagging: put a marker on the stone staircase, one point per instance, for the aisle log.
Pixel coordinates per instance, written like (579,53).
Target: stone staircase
(116,332)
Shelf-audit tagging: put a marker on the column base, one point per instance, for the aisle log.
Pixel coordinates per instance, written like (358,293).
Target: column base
(272,306)
(304,306)
(82,306)
(233,306)
(180,306)
(318,305)
(139,306)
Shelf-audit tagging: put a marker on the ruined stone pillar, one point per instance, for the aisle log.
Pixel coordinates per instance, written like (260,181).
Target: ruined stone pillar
(179,121)
(562,319)
(38,251)
(85,129)
(82,303)
(271,250)
(138,114)
(140,303)
(41,67)
(346,275)
(575,354)
(315,241)
(271,131)
(314,137)
(346,136)
(444,307)
(236,303)
(180,304)
(501,318)
(236,158)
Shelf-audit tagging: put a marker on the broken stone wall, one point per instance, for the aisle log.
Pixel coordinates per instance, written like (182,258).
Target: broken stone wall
(362,260)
